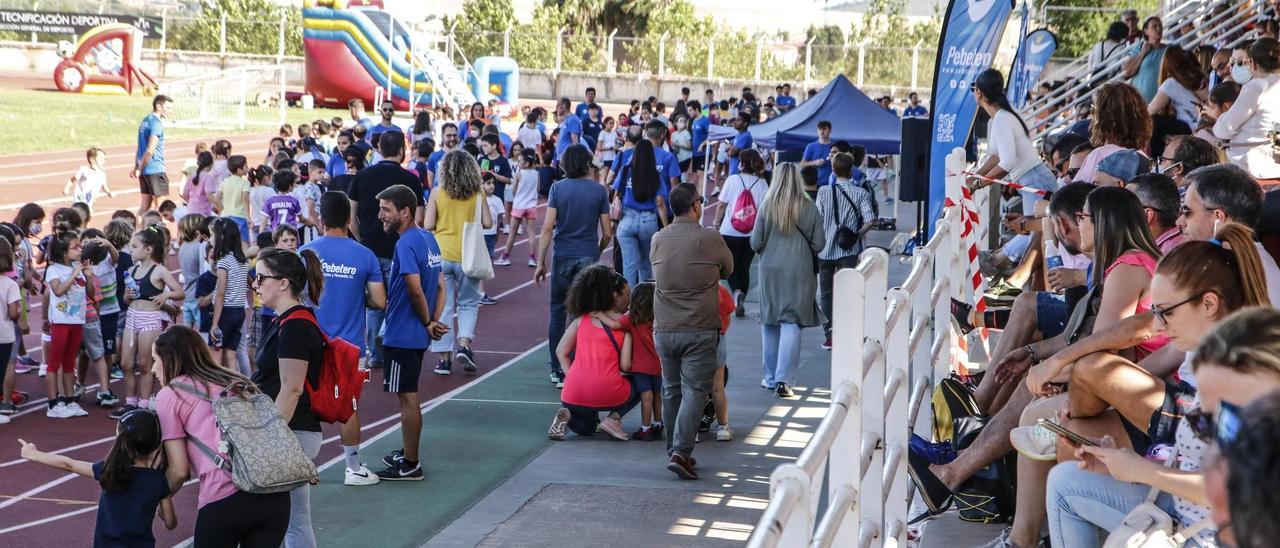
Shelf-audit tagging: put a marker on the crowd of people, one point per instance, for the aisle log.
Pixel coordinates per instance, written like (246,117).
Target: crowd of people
(1121,407)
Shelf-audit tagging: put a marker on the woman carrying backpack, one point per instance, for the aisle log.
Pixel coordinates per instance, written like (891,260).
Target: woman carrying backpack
(740,199)
(291,351)
(227,516)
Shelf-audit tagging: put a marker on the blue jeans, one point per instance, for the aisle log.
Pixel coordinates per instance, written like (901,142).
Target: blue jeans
(1084,504)
(563,271)
(1038,177)
(243,224)
(373,320)
(635,232)
(781,352)
(464,291)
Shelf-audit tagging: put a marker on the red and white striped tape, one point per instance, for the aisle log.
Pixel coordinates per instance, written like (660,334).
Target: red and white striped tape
(1010,184)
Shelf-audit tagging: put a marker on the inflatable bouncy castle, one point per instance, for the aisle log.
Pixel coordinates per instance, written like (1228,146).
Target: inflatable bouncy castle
(104,60)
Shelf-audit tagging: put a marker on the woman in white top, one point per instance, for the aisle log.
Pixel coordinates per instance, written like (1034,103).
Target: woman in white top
(736,218)
(1012,156)
(1182,88)
(682,142)
(1256,113)
(1108,50)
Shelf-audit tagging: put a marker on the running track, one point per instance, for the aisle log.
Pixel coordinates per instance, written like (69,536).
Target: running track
(39,505)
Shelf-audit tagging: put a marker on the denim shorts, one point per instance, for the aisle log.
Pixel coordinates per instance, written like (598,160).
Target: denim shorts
(1051,313)
(489,241)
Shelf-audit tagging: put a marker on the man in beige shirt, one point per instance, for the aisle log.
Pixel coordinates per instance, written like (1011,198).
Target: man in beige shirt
(688,263)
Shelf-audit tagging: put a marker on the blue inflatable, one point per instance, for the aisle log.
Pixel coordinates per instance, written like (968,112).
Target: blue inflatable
(496,78)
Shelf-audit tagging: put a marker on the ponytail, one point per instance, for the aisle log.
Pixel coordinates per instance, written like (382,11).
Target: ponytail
(302,270)
(315,275)
(991,83)
(1227,266)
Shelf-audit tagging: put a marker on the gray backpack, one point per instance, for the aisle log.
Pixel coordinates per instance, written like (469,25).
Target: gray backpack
(262,454)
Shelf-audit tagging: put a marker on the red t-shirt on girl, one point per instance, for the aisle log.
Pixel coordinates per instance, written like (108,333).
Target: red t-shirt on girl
(644,355)
(727,307)
(595,377)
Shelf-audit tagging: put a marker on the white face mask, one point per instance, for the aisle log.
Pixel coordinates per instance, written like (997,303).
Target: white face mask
(1166,170)
(1241,74)
(35,228)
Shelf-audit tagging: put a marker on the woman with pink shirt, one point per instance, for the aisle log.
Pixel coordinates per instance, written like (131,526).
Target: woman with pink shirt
(1120,121)
(226,516)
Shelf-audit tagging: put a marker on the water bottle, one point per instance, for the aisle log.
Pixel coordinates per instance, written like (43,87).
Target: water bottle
(131,284)
(1052,257)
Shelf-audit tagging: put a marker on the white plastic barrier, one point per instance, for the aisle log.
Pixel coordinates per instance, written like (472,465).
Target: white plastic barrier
(889,347)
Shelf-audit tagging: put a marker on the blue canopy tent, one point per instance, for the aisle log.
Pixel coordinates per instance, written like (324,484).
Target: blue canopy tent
(854,118)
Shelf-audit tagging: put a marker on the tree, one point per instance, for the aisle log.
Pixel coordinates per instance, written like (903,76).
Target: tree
(1077,31)
(252,27)
(888,39)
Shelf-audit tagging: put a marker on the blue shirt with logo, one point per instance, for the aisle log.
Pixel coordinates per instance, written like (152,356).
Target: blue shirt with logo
(785,102)
(416,253)
(348,267)
(915,111)
(152,126)
(742,142)
(699,130)
(572,125)
(815,151)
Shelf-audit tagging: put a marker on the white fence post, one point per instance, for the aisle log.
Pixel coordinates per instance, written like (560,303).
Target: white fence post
(559,49)
(222,34)
(862,57)
(870,491)
(609,65)
(711,56)
(506,42)
(915,67)
(662,55)
(759,56)
(897,382)
(852,291)
(808,61)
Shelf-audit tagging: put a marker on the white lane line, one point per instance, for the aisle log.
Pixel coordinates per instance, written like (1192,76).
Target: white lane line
(30,524)
(555,403)
(507,352)
(59,200)
(61,451)
(37,490)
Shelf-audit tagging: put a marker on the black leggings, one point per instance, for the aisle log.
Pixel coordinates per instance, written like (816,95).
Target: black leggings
(740,248)
(243,519)
(583,419)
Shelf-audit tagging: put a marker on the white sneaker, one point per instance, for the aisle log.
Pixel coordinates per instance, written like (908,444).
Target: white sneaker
(360,477)
(58,411)
(77,390)
(44,369)
(724,433)
(533,261)
(502,260)
(4,419)
(74,410)
(1035,442)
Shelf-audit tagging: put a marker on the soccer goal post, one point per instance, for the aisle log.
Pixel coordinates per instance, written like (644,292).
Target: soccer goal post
(234,98)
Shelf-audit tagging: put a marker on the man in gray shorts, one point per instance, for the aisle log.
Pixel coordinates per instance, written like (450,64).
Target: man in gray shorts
(148,165)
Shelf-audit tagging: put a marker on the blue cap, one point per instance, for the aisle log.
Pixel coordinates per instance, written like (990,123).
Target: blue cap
(1122,165)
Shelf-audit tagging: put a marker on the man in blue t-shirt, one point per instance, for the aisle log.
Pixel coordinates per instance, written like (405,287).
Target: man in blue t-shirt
(818,153)
(148,162)
(388,111)
(415,300)
(699,128)
(668,164)
(356,108)
(578,225)
(352,281)
(570,127)
(449,142)
(784,101)
(916,110)
(583,109)
(743,141)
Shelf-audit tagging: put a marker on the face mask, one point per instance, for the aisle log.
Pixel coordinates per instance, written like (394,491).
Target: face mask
(1241,74)
(35,228)
(1166,170)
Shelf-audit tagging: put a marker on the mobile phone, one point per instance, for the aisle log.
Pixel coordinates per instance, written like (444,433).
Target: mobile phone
(1063,432)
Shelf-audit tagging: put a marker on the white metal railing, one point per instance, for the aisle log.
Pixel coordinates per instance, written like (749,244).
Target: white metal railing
(889,347)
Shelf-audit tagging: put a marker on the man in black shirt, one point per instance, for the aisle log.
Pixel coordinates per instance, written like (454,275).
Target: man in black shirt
(353,161)
(365,187)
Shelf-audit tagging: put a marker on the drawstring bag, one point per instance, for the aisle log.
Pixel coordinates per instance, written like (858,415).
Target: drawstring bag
(475,254)
(1147,526)
(744,209)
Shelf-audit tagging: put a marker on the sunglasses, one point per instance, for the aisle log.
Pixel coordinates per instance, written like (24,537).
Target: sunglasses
(1222,427)
(258,279)
(1162,313)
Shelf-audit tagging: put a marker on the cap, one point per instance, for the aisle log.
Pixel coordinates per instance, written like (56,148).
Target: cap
(1123,165)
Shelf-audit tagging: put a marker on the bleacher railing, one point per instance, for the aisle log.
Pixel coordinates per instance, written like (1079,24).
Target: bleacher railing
(889,347)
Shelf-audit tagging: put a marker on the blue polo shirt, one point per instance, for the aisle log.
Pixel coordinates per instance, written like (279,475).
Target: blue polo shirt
(742,142)
(433,161)
(817,150)
(915,111)
(668,165)
(572,125)
(699,130)
(785,102)
(152,126)
(416,253)
(348,267)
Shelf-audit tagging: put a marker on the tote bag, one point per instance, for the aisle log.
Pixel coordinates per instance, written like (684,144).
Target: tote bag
(475,255)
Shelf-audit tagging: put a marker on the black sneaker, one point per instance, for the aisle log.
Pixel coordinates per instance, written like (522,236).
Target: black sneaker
(466,358)
(8,409)
(487,300)
(120,411)
(704,424)
(933,492)
(394,458)
(444,367)
(401,471)
(783,391)
(107,399)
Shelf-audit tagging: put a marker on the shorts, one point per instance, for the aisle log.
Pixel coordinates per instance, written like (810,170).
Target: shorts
(92,344)
(722,353)
(232,325)
(155,184)
(1051,313)
(401,368)
(142,321)
(530,214)
(243,224)
(110,329)
(64,346)
(645,382)
(1160,429)
(684,165)
(699,162)
(490,240)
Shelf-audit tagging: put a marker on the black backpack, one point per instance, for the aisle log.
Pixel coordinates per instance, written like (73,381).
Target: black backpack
(989,495)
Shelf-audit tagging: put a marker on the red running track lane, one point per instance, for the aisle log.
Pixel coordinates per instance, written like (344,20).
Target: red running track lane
(41,505)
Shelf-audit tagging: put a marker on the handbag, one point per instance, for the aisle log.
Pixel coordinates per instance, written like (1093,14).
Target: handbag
(1147,526)
(475,254)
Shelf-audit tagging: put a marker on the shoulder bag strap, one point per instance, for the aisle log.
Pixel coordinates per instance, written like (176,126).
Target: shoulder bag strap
(217,458)
(608,331)
(479,201)
(856,211)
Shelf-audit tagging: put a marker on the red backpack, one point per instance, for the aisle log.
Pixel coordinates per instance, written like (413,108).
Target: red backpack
(335,397)
(744,209)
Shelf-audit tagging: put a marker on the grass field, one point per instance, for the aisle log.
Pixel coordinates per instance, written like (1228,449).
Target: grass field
(50,120)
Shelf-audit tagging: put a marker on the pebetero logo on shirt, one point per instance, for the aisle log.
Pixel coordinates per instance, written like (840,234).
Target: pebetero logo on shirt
(338,270)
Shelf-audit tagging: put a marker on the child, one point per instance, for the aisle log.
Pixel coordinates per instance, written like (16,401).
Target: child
(206,284)
(151,218)
(119,232)
(232,196)
(167,211)
(147,286)
(262,316)
(229,297)
(103,312)
(283,208)
(189,165)
(10,298)
(91,179)
(718,408)
(524,207)
(286,133)
(260,190)
(529,135)
(132,479)
(308,195)
(641,357)
(193,192)
(491,233)
(514,157)
(191,263)
(66,279)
